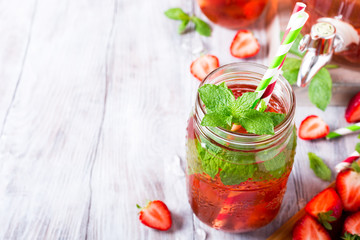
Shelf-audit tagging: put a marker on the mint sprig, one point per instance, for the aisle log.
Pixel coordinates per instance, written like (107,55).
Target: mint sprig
(320,169)
(223,110)
(178,14)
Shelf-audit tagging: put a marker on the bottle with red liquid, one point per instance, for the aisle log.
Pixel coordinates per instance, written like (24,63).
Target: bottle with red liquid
(236,14)
(344,15)
(236,181)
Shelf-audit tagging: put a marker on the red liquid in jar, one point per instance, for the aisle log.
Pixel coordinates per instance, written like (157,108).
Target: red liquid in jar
(243,207)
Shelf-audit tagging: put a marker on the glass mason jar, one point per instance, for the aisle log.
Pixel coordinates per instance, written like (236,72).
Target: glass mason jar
(236,181)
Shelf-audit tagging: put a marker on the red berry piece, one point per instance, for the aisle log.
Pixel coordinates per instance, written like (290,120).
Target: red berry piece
(313,127)
(156,215)
(348,187)
(308,228)
(203,65)
(244,45)
(352,113)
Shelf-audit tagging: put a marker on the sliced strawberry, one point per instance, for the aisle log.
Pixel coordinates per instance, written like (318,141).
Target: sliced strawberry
(313,127)
(156,215)
(244,45)
(308,228)
(352,113)
(325,201)
(348,187)
(352,224)
(203,65)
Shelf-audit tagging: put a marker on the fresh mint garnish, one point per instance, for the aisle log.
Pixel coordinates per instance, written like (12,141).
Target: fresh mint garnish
(178,14)
(223,110)
(277,165)
(320,89)
(320,169)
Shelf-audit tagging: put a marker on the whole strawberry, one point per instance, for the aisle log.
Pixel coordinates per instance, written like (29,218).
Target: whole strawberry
(348,187)
(352,226)
(352,113)
(326,207)
(308,228)
(155,215)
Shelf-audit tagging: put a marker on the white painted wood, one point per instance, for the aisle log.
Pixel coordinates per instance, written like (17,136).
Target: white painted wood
(94,101)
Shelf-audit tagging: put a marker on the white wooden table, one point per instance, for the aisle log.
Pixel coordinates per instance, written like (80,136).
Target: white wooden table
(94,100)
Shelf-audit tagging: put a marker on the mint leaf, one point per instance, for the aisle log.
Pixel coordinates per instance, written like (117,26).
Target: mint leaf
(233,174)
(201,27)
(217,120)
(276,166)
(277,118)
(244,102)
(355,166)
(210,164)
(320,89)
(256,122)
(177,14)
(320,169)
(357,147)
(223,110)
(291,69)
(262,106)
(295,47)
(182,26)
(216,97)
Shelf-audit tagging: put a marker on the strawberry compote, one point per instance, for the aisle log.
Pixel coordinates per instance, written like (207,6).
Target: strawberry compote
(236,182)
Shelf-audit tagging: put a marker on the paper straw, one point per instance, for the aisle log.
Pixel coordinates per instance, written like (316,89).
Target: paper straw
(347,162)
(343,131)
(267,84)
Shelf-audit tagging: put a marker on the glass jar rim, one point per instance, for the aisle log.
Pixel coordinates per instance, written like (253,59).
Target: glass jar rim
(249,139)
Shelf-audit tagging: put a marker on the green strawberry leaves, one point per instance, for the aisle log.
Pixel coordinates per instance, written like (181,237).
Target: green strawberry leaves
(178,14)
(223,110)
(320,169)
(349,236)
(326,218)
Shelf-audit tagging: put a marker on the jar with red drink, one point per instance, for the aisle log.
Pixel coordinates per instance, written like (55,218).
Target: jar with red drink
(236,181)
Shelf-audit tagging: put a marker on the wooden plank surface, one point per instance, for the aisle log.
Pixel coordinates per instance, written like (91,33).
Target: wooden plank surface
(93,107)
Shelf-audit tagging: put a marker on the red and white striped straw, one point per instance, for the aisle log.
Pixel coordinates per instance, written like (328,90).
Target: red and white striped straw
(347,162)
(298,9)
